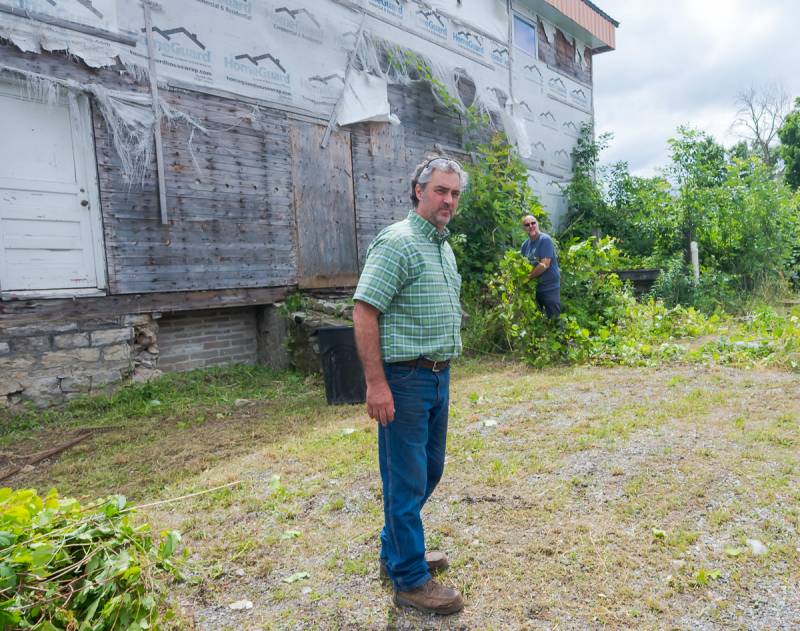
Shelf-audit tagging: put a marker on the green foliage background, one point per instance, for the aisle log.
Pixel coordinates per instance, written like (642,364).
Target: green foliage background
(490,212)
(745,220)
(789,133)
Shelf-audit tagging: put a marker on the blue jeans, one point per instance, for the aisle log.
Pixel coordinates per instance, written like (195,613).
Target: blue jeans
(411,456)
(549,301)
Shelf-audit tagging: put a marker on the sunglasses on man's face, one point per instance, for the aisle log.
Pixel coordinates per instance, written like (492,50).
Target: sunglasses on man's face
(529,224)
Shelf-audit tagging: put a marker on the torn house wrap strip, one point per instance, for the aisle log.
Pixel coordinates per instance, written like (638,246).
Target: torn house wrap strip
(128,115)
(299,57)
(31,36)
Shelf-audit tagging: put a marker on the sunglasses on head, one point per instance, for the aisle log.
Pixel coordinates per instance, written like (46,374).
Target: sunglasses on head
(444,163)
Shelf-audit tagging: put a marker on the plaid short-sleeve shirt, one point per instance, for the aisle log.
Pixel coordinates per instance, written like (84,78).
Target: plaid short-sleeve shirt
(411,277)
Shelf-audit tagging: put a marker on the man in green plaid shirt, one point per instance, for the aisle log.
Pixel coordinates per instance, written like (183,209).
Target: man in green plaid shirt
(407,320)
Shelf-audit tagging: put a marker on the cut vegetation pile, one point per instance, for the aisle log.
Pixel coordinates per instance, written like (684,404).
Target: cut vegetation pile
(572,498)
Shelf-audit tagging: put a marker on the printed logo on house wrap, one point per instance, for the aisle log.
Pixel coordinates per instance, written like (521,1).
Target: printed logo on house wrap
(324,89)
(298,21)
(562,159)
(178,49)
(499,55)
(262,71)
(526,111)
(556,87)
(469,41)
(547,119)
(239,8)
(83,11)
(392,8)
(532,73)
(539,151)
(432,22)
(346,41)
(571,128)
(579,97)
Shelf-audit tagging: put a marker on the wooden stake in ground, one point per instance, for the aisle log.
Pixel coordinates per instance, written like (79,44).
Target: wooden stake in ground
(44,455)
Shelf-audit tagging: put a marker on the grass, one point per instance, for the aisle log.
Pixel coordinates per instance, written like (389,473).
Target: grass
(151,436)
(597,498)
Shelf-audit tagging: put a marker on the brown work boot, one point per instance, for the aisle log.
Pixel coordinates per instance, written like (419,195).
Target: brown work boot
(437,561)
(431,598)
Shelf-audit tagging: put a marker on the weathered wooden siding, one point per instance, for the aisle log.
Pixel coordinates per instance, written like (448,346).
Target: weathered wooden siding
(324,207)
(228,198)
(384,157)
(232,197)
(561,54)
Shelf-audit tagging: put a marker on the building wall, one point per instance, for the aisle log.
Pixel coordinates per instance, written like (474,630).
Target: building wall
(199,339)
(50,362)
(232,182)
(229,199)
(384,157)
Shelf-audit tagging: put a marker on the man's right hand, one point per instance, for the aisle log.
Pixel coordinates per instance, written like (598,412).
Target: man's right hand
(380,403)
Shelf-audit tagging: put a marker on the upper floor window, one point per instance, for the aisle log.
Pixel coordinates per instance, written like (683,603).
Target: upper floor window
(525,36)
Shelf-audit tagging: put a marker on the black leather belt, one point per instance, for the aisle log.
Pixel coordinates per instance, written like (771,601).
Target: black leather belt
(424,362)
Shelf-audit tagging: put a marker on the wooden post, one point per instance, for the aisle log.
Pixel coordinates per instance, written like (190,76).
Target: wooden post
(151,66)
(695,261)
(510,55)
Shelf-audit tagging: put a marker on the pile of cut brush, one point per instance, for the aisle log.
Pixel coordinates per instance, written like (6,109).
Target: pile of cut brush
(63,566)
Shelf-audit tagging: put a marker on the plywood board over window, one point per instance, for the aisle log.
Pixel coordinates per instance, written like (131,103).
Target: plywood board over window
(50,228)
(324,207)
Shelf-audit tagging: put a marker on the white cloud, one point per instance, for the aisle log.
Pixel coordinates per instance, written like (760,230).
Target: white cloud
(684,62)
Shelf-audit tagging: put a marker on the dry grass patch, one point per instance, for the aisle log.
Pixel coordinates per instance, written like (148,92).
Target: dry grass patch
(581,498)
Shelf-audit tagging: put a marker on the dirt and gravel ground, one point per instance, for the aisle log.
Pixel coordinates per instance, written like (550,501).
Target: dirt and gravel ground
(588,498)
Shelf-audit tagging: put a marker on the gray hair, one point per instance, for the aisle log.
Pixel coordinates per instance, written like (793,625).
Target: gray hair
(424,172)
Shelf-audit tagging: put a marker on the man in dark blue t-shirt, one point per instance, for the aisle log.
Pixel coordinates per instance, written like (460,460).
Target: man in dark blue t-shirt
(540,251)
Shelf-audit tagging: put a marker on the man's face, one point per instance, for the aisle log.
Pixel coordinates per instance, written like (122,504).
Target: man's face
(531,226)
(438,201)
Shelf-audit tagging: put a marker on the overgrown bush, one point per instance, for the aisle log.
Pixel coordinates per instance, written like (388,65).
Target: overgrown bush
(714,291)
(63,567)
(481,330)
(746,221)
(490,213)
(600,323)
(592,300)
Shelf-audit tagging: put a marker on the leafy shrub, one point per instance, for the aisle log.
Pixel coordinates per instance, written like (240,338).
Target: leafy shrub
(714,291)
(489,218)
(66,567)
(746,222)
(592,301)
(594,295)
(482,329)
(600,323)
(764,337)
(789,133)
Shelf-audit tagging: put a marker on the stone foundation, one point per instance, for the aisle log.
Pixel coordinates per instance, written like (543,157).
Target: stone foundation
(48,363)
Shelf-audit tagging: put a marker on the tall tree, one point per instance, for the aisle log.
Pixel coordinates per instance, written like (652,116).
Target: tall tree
(759,115)
(789,133)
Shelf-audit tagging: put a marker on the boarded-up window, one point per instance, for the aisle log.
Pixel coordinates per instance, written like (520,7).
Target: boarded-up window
(324,207)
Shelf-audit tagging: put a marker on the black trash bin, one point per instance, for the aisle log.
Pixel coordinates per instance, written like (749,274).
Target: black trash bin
(344,378)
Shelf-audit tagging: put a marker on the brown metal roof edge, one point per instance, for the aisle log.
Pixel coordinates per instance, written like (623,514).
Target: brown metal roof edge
(600,12)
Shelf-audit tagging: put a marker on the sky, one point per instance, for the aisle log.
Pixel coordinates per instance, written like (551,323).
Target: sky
(684,62)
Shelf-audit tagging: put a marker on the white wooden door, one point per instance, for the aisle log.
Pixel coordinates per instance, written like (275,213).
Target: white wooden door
(50,231)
